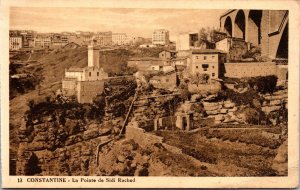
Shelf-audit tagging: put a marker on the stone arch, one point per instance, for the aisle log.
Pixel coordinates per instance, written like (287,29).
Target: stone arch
(228,26)
(254,27)
(240,25)
(283,46)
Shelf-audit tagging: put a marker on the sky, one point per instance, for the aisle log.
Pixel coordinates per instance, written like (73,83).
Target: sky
(132,21)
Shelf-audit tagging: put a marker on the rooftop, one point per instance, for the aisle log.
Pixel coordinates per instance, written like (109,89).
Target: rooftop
(207,51)
(145,59)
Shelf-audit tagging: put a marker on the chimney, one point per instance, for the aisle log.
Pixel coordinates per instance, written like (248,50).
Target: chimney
(93,56)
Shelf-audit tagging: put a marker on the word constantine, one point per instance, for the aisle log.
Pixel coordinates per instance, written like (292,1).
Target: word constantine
(77,180)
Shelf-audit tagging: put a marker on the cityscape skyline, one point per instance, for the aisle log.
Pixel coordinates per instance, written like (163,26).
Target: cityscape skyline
(144,21)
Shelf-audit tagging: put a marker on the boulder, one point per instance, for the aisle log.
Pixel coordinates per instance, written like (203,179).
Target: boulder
(223,111)
(229,104)
(214,112)
(275,102)
(280,162)
(211,108)
(195,97)
(210,104)
(219,117)
(210,97)
(121,158)
(234,109)
(269,109)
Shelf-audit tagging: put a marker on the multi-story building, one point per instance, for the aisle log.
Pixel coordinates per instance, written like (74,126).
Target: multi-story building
(15,42)
(103,38)
(43,41)
(26,35)
(120,39)
(207,61)
(187,41)
(160,37)
(58,40)
(28,38)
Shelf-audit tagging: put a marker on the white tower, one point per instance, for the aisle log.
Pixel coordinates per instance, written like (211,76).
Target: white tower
(93,55)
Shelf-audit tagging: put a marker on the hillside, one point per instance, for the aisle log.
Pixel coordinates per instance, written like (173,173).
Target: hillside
(45,70)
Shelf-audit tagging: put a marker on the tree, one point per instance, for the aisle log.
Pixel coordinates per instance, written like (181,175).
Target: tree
(185,94)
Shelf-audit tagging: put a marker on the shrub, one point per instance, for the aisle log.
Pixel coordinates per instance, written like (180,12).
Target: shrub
(252,53)
(263,84)
(245,98)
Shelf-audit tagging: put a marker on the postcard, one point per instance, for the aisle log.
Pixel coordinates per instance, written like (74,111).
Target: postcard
(126,94)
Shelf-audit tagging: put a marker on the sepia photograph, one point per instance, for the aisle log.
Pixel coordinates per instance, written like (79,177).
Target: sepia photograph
(157,92)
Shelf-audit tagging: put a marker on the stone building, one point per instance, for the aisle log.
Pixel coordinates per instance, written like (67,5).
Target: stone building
(120,39)
(167,54)
(207,61)
(148,63)
(187,41)
(267,29)
(160,37)
(85,83)
(43,41)
(103,38)
(15,43)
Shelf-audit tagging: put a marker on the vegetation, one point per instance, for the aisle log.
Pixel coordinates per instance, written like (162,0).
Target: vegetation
(263,84)
(200,78)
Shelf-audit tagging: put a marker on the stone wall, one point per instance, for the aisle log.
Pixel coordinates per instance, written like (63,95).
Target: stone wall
(139,135)
(240,70)
(87,90)
(69,87)
(212,87)
(275,101)
(222,112)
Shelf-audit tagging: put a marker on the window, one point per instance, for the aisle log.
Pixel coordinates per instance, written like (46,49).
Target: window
(90,74)
(204,57)
(196,67)
(213,67)
(97,74)
(213,74)
(205,66)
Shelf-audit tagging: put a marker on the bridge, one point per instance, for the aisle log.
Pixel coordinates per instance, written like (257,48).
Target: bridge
(267,29)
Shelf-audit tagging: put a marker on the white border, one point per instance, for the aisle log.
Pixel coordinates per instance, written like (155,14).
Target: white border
(175,182)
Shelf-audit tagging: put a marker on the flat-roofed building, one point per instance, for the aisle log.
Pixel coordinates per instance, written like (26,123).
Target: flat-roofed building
(103,38)
(15,43)
(120,39)
(207,61)
(43,41)
(160,37)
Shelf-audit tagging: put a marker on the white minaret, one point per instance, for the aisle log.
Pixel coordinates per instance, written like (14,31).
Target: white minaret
(93,55)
